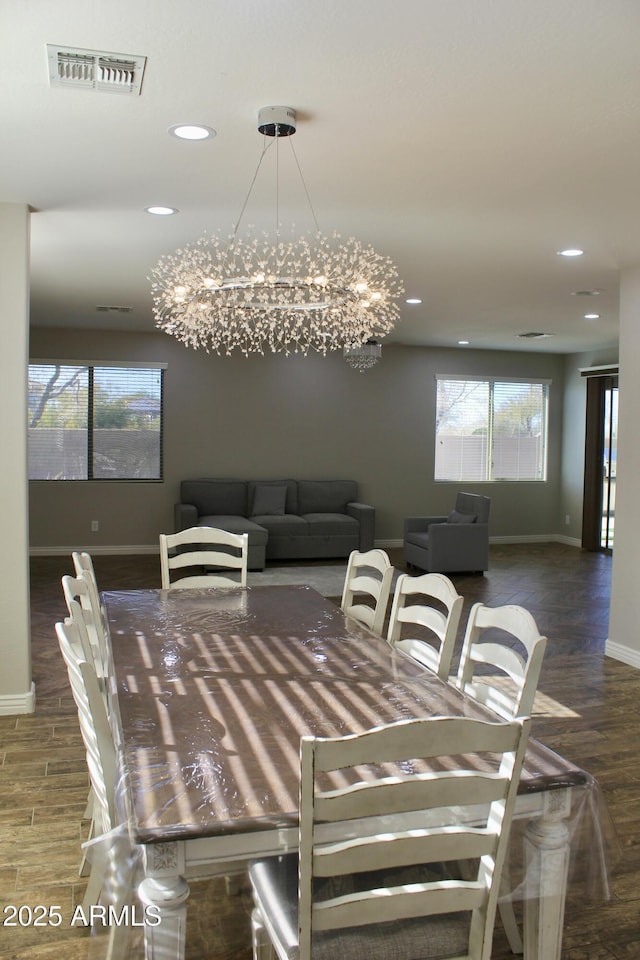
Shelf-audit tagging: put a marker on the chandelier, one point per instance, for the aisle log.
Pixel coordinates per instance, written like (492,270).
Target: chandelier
(363,356)
(261,291)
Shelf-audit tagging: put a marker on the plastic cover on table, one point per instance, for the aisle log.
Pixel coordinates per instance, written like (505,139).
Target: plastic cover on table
(215,689)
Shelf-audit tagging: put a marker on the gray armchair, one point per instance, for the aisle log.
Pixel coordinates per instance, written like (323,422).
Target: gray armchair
(459,542)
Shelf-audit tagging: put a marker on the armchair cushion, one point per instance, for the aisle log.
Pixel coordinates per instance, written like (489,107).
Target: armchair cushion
(456,517)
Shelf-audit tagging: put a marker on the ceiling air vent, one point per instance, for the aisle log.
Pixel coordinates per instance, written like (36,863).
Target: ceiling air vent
(533,335)
(95,70)
(109,309)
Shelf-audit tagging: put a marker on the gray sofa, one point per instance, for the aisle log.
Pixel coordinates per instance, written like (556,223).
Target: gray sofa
(285,519)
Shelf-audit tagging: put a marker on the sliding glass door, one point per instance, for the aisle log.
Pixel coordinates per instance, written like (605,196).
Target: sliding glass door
(609,463)
(601,459)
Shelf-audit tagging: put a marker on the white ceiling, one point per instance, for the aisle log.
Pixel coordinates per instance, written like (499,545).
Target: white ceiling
(470,140)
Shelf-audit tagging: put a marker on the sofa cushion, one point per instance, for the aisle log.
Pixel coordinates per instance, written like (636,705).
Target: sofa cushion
(330,524)
(286,525)
(325,496)
(269,499)
(291,502)
(257,533)
(456,517)
(216,497)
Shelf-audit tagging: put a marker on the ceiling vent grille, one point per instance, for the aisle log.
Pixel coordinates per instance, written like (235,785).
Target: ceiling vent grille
(95,70)
(533,335)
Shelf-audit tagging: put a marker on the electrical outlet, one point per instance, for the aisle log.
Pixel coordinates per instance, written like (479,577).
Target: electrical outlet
(95,526)
(567,519)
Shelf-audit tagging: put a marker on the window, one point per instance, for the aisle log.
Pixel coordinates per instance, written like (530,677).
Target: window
(490,429)
(95,422)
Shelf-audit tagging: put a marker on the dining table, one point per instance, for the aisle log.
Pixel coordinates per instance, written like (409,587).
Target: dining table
(211,691)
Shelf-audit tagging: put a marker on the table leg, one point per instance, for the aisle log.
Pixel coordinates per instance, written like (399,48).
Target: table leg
(164,893)
(546,845)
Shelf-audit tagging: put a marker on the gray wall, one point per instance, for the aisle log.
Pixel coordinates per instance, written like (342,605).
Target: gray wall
(278,416)
(16,687)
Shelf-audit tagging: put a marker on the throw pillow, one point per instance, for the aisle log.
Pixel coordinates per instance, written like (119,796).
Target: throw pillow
(269,500)
(456,517)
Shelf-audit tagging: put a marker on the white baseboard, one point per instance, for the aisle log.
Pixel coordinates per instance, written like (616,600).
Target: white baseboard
(532,538)
(12,704)
(109,551)
(569,541)
(133,549)
(625,654)
(539,538)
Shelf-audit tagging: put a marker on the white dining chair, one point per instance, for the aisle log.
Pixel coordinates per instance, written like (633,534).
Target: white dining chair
(98,742)
(92,649)
(501,659)
(79,591)
(431,603)
(83,563)
(367,586)
(203,547)
(378,889)
(500,666)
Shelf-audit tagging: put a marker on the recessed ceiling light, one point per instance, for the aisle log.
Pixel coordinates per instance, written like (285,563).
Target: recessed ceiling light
(592,316)
(191,131)
(159,211)
(413,300)
(463,343)
(571,252)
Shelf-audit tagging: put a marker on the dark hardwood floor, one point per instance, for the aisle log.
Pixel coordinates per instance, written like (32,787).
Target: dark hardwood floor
(590,714)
